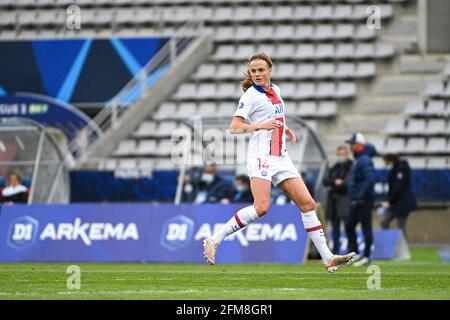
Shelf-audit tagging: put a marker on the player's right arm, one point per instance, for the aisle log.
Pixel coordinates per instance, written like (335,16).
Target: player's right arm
(238,125)
(244,110)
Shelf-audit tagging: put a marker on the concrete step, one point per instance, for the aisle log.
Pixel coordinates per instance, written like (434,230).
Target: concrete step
(417,64)
(403,84)
(347,123)
(384,104)
(405,26)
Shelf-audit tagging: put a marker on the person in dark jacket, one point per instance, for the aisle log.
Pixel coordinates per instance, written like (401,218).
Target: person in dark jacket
(191,184)
(15,192)
(213,187)
(401,200)
(338,201)
(240,192)
(361,185)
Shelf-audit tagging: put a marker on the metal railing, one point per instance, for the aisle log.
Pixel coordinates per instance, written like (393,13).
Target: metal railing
(137,87)
(311,158)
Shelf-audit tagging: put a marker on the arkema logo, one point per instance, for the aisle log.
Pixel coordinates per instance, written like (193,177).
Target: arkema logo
(22,232)
(177,232)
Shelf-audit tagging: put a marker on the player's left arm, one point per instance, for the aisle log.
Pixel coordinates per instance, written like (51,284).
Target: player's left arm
(290,134)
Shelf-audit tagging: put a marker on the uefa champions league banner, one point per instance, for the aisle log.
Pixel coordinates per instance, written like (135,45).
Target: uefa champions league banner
(145,233)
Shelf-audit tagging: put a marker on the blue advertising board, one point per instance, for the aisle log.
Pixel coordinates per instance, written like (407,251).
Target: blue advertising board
(145,233)
(387,244)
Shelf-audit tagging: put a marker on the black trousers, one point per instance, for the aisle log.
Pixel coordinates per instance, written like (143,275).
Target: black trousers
(401,221)
(336,223)
(360,213)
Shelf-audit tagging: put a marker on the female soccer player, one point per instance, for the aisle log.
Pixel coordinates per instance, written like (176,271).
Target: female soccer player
(261,111)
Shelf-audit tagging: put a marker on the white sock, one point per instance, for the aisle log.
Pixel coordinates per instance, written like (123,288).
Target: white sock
(314,229)
(240,220)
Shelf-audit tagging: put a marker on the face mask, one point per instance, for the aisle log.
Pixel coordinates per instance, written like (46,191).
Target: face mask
(207,178)
(240,188)
(389,166)
(341,159)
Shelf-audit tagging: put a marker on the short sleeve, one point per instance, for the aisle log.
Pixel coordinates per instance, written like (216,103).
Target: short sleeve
(245,107)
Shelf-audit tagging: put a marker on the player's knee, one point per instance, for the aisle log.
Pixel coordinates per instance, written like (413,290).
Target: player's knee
(262,207)
(309,205)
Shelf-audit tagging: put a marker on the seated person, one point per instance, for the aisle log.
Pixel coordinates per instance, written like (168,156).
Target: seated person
(240,192)
(15,192)
(212,188)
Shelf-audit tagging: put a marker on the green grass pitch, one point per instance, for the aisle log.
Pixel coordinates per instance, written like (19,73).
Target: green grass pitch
(423,277)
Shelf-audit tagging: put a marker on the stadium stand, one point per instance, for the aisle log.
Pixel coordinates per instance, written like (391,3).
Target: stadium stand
(333,70)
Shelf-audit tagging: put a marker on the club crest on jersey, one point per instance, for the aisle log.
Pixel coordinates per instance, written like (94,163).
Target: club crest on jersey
(279,109)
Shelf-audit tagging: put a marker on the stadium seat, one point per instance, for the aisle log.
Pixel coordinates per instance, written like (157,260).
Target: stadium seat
(394,145)
(145,129)
(435,107)
(434,89)
(226,71)
(225,51)
(342,12)
(207,109)
(226,109)
(323,12)
(185,110)
(284,51)
(305,90)
(282,13)
(324,51)
(415,126)
(395,126)
(437,163)
(206,91)
(283,32)
(327,109)
(345,70)
(147,147)
(326,70)
(165,110)
(305,71)
(125,148)
(326,90)
(165,147)
(417,162)
(415,145)
(265,13)
(345,50)
(307,109)
(185,91)
(344,31)
(305,51)
(365,69)
(437,145)
(435,126)
(416,107)
(346,90)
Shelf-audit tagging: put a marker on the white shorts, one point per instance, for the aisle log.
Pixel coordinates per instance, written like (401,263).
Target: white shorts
(272,168)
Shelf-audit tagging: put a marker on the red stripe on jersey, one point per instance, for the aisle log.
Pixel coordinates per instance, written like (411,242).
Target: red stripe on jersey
(276,140)
(273,96)
(314,228)
(238,221)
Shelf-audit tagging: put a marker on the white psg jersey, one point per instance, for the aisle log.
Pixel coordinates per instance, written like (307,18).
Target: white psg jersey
(257,106)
